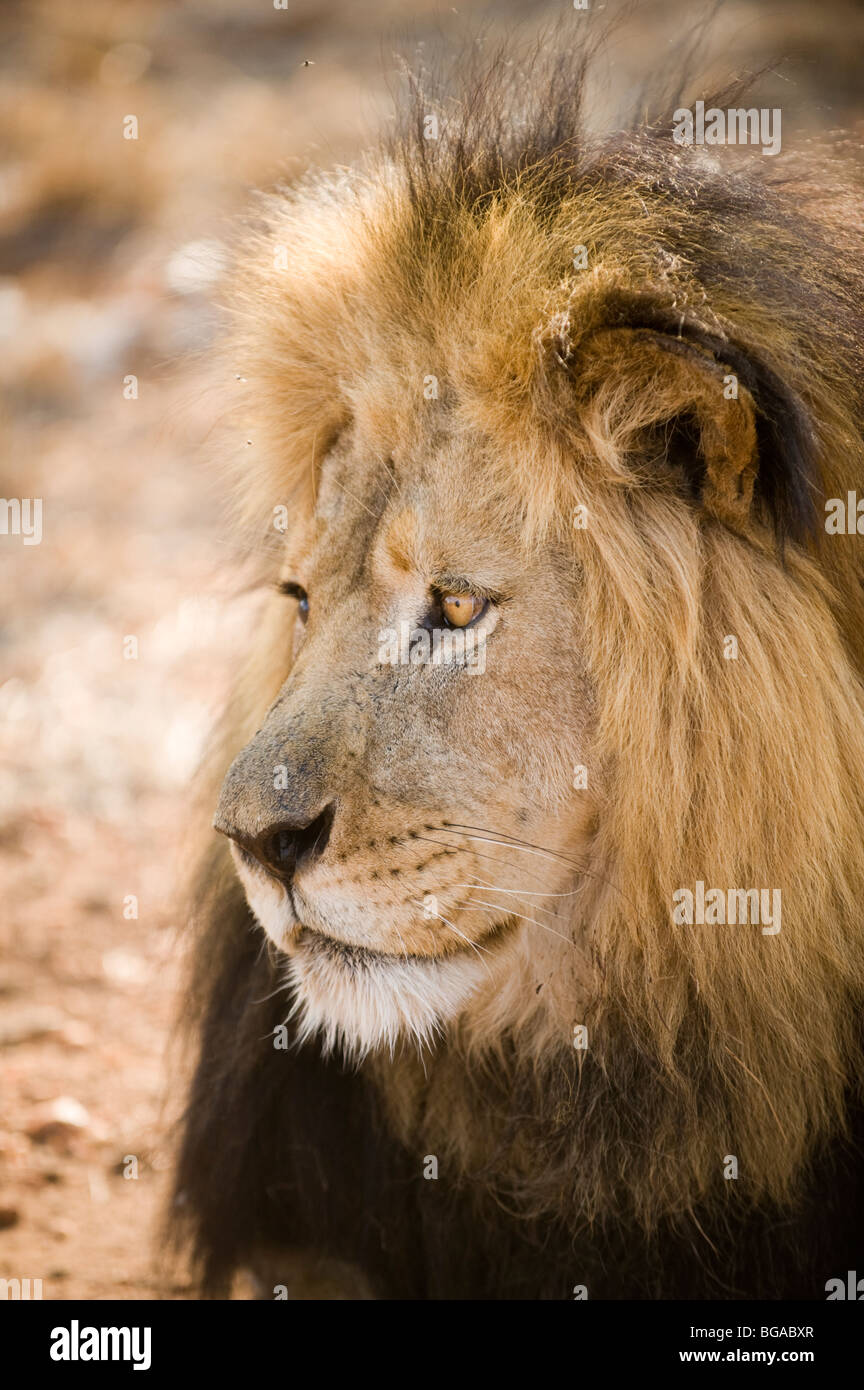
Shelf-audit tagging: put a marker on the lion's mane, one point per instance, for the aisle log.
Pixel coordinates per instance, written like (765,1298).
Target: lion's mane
(703,1042)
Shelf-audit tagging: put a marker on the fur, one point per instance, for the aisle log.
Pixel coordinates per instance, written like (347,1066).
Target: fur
(454,257)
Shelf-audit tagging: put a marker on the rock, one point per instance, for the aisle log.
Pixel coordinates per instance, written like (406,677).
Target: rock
(9,1217)
(25,1025)
(123,967)
(59,1121)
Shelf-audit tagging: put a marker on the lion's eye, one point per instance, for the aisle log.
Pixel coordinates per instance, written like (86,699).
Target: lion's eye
(461,609)
(287,586)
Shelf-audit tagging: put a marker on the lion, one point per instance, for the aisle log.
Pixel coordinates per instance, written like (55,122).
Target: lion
(461,1031)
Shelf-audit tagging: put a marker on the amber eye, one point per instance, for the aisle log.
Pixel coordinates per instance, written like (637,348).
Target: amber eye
(461,609)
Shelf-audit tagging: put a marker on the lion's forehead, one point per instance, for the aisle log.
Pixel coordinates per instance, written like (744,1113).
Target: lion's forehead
(383,516)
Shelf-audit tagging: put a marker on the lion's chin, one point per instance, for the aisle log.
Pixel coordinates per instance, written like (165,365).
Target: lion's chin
(354,999)
(357,1001)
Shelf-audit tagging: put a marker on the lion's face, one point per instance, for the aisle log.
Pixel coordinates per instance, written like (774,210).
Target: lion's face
(407,806)
(423,818)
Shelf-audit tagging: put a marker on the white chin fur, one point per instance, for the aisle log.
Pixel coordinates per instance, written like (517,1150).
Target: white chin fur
(353,999)
(359,1001)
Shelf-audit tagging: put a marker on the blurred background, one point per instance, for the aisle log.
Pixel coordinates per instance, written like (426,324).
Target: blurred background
(112,254)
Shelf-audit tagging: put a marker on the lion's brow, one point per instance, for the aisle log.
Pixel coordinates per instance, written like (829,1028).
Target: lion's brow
(447,582)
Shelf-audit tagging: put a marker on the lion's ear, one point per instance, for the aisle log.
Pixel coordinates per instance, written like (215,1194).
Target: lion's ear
(699,410)
(684,414)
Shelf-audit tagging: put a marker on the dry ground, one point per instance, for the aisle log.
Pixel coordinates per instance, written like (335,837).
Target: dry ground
(110,254)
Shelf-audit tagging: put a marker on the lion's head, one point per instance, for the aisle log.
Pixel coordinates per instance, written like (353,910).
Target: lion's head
(561,639)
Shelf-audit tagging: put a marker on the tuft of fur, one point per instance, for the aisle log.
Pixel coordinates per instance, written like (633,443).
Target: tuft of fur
(705,1041)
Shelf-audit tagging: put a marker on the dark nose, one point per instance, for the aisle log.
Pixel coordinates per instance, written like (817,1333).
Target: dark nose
(282,847)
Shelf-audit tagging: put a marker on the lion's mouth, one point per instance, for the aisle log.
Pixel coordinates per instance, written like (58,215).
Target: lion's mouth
(359,958)
(341,952)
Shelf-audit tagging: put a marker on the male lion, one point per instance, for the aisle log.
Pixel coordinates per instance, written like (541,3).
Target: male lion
(582,404)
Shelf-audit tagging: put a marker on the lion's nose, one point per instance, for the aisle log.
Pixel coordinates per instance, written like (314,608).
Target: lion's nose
(283,846)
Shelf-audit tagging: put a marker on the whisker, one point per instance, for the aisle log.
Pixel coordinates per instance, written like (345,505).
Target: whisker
(388,464)
(492,857)
(465,938)
(379,489)
(512,841)
(350,494)
(313,471)
(527,848)
(511,892)
(520,892)
(497,907)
